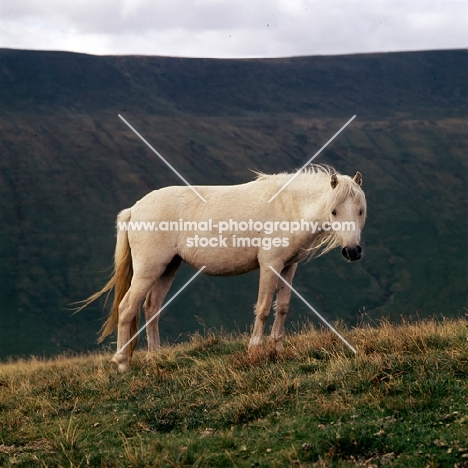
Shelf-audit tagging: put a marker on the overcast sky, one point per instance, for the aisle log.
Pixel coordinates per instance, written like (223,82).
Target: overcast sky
(233,29)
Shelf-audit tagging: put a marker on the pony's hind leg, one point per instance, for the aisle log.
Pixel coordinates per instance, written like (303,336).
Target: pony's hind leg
(154,302)
(283,299)
(150,308)
(267,286)
(128,309)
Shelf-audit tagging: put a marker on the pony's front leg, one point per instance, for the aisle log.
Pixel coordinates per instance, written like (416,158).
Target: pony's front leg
(267,286)
(128,309)
(283,299)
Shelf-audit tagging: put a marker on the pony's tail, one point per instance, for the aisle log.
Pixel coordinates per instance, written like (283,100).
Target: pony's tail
(120,282)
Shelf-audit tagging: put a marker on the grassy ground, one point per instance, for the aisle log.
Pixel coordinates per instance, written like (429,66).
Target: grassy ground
(402,401)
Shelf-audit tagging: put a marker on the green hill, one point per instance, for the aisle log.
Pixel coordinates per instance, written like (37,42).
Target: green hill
(68,165)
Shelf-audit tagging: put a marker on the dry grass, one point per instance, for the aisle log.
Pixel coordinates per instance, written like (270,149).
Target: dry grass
(210,403)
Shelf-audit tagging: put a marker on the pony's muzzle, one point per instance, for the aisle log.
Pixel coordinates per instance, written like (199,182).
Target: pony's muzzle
(352,253)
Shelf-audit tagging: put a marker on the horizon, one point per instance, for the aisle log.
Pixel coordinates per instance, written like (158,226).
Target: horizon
(285,57)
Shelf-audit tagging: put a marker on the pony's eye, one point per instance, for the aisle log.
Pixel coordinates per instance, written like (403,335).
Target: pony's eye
(334,212)
(360,212)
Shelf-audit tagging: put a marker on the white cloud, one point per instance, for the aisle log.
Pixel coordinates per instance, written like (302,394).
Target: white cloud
(239,28)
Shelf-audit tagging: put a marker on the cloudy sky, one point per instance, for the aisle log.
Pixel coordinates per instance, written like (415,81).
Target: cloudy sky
(238,28)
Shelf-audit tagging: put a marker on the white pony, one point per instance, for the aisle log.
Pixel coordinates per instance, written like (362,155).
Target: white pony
(172,224)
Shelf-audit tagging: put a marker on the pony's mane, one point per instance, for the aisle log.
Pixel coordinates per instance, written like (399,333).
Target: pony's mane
(314,173)
(310,170)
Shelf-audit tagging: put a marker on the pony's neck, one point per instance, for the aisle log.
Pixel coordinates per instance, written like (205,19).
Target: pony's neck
(313,197)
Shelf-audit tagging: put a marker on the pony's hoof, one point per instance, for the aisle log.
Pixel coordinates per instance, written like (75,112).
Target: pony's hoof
(152,356)
(278,347)
(255,343)
(123,368)
(255,354)
(121,362)
(276,344)
(255,349)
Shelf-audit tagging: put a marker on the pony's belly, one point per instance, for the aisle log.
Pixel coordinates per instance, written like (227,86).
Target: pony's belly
(228,262)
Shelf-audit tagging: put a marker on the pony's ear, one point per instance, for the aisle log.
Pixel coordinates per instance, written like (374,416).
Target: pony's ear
(358,178)
(333,181)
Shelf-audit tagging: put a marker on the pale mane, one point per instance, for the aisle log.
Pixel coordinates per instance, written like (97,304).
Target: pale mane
(311,171)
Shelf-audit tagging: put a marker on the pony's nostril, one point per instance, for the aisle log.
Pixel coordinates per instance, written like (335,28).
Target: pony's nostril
(352,253)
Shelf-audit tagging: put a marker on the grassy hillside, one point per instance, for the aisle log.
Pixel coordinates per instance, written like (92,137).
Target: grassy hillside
(68,165)
(402,401)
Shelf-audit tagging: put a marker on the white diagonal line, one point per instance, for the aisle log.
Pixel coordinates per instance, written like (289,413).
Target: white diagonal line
(163,159)
(314,311)
(312,158)
(161,309)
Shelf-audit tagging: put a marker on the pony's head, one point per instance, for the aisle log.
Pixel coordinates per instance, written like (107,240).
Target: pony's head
(346,212)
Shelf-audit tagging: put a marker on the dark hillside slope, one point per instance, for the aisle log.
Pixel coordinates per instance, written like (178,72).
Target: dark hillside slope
(373,85)
(68,165)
